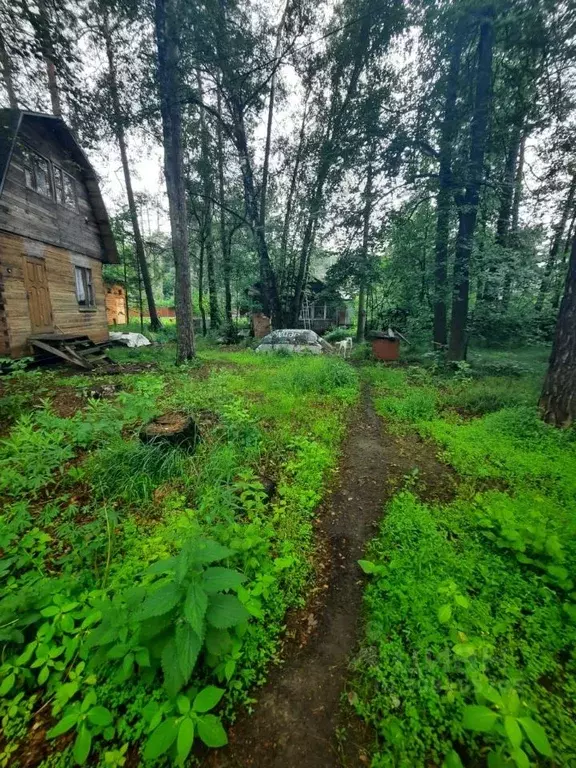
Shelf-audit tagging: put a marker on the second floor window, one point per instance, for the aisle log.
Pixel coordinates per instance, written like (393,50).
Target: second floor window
(37,173)
(64,188)
(84,288)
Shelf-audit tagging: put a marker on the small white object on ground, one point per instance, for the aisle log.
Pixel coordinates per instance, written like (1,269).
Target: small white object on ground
(130,339)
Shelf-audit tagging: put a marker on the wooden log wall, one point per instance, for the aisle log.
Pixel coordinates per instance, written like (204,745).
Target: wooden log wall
(67,316)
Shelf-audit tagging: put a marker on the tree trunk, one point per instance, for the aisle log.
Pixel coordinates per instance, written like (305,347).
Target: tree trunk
(565,255)
(468,209)
(6,65)
(444,199)
(118,125)
(270,299)
(556,244)
(558,400)
(366,213)
(290,198)
(208,186)
(503,222)
(514,227)
(48,54)
(266,164)
(201,285)
(224,241)
(166,23)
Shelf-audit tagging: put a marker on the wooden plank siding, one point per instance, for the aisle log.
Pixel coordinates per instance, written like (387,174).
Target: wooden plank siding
(26,212)
(67,316)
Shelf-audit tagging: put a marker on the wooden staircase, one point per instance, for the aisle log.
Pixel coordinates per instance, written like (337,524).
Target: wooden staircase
(74,349)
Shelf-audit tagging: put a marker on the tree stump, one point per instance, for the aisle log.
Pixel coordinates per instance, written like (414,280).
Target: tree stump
(176,429)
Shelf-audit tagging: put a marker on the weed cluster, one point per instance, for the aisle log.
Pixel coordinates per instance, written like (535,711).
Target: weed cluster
(143,587)
(471,608)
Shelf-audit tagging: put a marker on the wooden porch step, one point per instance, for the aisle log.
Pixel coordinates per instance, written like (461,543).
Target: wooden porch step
(79,351)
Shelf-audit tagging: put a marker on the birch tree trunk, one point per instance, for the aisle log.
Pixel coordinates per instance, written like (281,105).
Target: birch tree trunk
(468,210)
(118,126)
(558,400)
(166,25)
(514,227)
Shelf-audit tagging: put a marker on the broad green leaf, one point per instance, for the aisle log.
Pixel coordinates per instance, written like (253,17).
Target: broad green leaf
(163,566)
(67,722)
(367,566)
(100,716)
(195,607)
(217,579)
(26,655)
(464,650)
(477,718)
(452,760)
(208,551)
(185,739)
(183,704)
(7,684)
(88,701)
(188,645)
(142,657)
(44,675)
(173,679)
(511,702)
(218,641)
(161,739)
(513,731)
(82,745)
(50,610)
(225,611)
(207,698)
(211,731)
(160,602)
(537,735)
(444,613)
(462,601)
(490,693)
(520,758)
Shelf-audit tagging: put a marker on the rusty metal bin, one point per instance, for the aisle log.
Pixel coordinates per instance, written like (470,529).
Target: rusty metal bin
(385,347)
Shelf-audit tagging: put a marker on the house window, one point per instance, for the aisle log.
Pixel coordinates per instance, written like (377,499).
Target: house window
(84,288)
(64,188)
(37,173)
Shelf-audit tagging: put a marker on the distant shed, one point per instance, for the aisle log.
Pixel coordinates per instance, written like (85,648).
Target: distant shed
(55,236)
(115,304)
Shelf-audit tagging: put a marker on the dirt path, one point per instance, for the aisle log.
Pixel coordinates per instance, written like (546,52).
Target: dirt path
(297,714)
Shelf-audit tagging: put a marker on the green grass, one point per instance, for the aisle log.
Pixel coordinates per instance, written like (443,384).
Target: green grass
(88,508)
(472,603)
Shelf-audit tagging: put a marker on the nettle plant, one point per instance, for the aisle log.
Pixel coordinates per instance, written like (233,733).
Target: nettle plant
(174,725)
(186,609)
(519,737)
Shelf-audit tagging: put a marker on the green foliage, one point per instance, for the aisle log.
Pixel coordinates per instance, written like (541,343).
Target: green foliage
(145,575)
(476,596)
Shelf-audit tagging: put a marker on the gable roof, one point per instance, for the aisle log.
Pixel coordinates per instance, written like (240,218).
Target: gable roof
(11,121)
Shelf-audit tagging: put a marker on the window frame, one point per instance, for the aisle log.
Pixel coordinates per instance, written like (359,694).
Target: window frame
(28,155)
(73,205)
(84,275)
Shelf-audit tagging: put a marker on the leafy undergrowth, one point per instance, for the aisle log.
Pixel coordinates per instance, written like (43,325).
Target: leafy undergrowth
(469,654)
(143,587)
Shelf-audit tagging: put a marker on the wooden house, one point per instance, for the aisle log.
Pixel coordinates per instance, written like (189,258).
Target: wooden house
(54,237)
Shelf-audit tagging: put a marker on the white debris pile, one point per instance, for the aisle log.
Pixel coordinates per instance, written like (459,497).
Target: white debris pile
(130,339)
(294,340)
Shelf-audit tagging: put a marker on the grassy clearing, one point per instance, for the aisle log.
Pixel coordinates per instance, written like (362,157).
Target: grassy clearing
(471,610)
(144,588)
